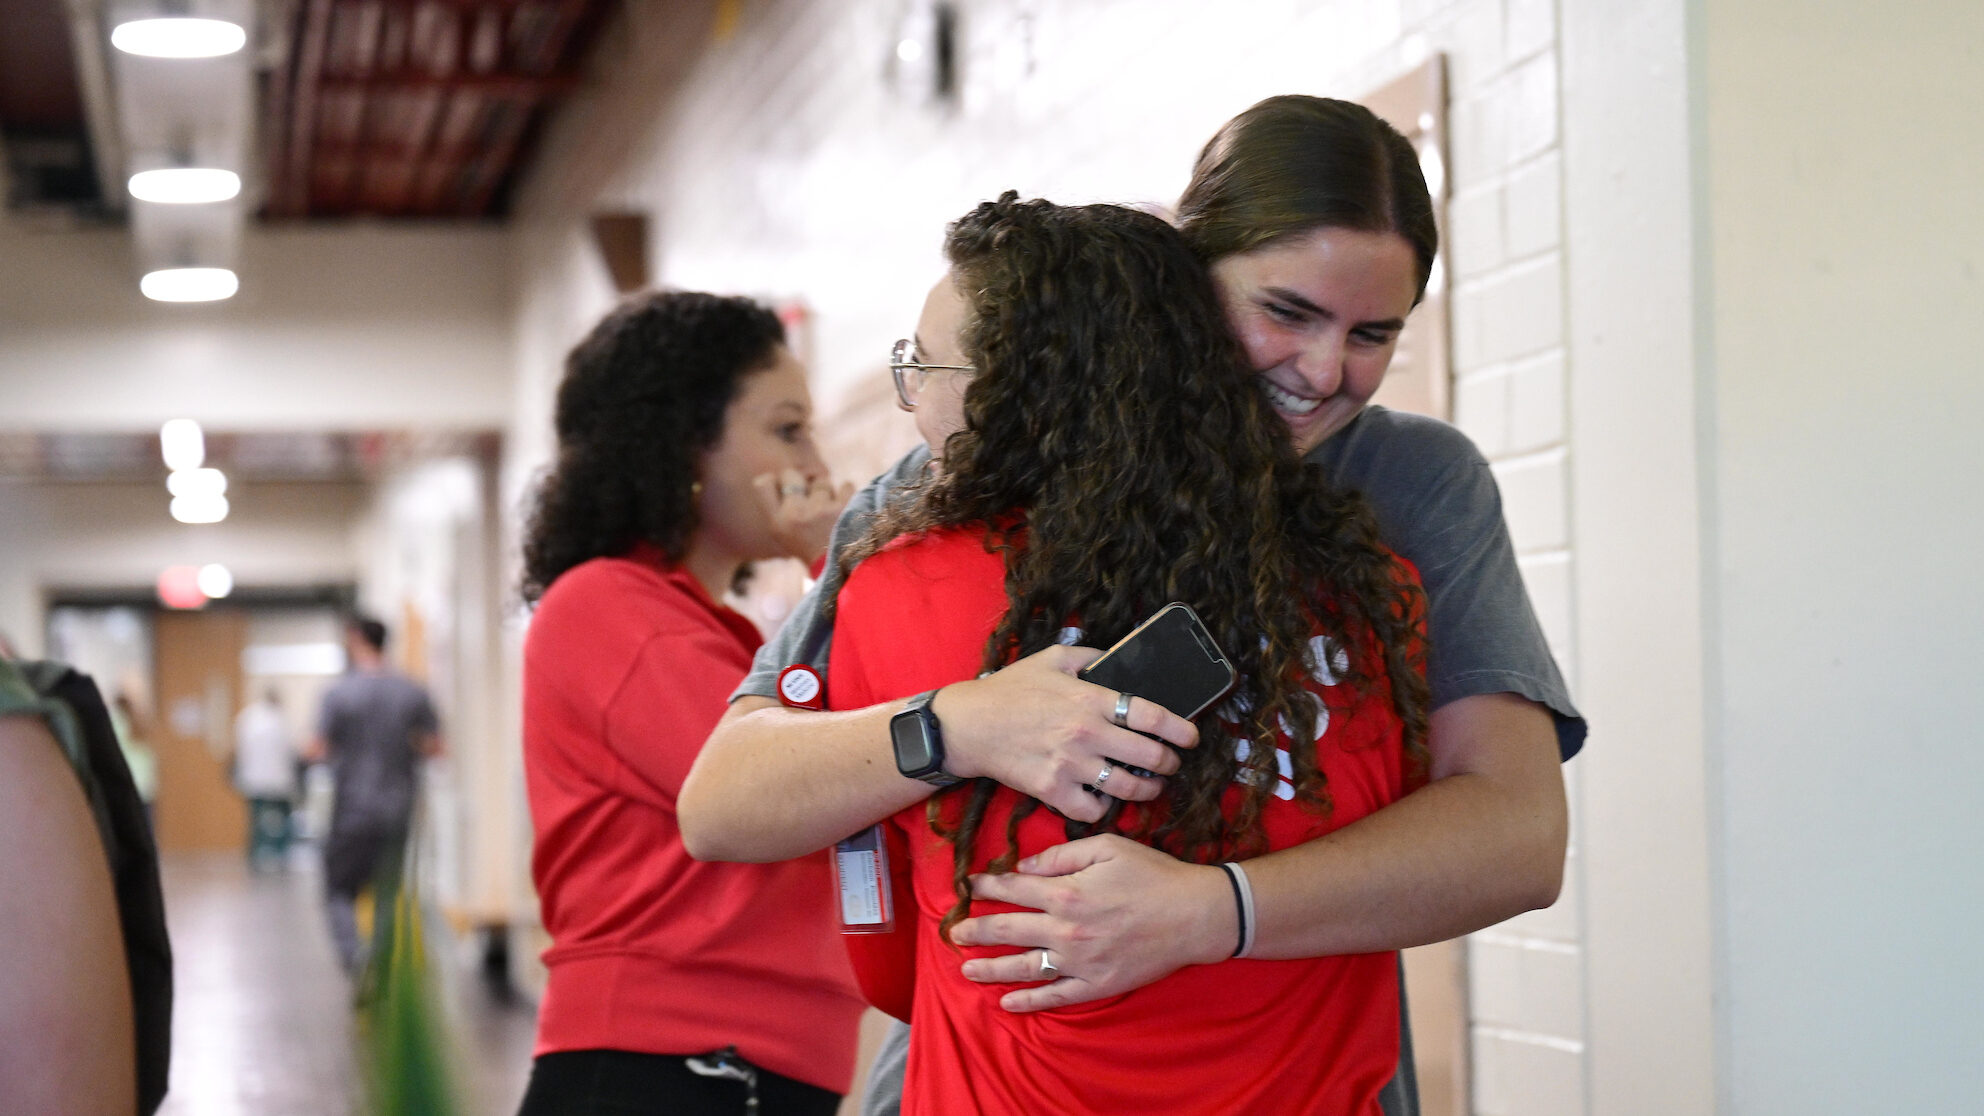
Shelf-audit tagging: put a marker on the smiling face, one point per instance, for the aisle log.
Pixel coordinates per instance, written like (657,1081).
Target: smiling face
(1319,316)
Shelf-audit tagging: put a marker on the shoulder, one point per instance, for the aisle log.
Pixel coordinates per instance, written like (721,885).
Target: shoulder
(928,557)
(907,470)
(1381,442)
(605,593)
(949,572)
(341,689)
(1430,488)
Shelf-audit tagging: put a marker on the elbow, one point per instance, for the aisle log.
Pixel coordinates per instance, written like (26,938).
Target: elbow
(703,843)
(709,833)
(1543,881)
(702,835)
(1545,886)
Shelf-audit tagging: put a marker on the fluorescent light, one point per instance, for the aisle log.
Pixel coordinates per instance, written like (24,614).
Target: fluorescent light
(189,284)
(183,445)
(216,580)
(185,185)
(197,483)
(179,37)
(205,508)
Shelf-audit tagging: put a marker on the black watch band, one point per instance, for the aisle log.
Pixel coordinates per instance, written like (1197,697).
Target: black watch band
(919,742)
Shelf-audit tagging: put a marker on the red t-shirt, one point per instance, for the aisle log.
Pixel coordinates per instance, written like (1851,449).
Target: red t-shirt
(1318,1035)
(627,668)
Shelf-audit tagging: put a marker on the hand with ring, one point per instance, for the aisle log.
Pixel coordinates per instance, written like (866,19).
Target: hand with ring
(1105,914)
(1035,727)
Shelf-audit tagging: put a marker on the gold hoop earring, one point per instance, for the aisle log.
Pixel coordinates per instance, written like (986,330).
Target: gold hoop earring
(695,488)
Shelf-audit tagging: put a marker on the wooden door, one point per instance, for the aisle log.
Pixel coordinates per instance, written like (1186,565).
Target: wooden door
(197,662)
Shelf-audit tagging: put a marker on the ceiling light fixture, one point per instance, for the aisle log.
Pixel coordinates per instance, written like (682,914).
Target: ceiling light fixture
(185,185)
(216,580)
(203,508)
(182,444)
(189,284)
(179,37)
(197,483)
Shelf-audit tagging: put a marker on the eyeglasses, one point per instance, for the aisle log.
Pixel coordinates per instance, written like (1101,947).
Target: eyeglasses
(910,373)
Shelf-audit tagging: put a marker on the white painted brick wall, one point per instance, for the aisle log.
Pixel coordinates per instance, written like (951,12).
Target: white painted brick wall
(1517,1073)
(1533,207)
(1476,232)
(786,166)
(1516,312)
(1504,241)
(1536,403)
(1533,500)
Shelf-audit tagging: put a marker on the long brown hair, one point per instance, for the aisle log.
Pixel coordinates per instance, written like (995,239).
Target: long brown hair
(1293,164)
(1117,450)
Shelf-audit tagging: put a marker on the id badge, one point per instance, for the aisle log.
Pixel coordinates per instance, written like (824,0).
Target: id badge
(861,875)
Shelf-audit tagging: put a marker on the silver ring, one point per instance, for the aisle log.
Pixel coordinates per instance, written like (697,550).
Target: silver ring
(1121,718)
(1108,769)
(792,490)
(1048,970)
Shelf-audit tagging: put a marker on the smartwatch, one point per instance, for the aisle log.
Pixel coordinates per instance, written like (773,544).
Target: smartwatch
(919,744)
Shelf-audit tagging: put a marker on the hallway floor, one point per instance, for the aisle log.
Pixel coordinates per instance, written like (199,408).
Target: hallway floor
(263,1020)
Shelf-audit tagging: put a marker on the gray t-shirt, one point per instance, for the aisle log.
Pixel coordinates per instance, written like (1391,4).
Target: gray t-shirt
(372,724)
(1437,506)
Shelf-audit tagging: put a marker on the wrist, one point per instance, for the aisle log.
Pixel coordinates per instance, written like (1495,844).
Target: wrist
(916,735)
(1219,917)
(958,759)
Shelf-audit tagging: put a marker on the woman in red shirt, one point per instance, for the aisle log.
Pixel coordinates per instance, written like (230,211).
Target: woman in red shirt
(1114,455)
(674,986)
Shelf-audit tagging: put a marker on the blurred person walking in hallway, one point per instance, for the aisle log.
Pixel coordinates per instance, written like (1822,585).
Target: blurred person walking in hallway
(375,726)
(264,768)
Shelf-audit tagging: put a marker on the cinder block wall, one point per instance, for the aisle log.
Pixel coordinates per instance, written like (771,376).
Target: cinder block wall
(795,155)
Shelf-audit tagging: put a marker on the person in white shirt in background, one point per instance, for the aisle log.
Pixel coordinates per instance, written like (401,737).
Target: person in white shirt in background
(265,769)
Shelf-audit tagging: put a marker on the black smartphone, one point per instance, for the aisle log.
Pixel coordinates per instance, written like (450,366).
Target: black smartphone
(1170,659)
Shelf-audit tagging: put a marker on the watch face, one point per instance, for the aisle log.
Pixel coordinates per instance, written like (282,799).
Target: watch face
(914,756)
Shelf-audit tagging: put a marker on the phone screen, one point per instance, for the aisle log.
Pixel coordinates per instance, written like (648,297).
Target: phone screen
(1170,659)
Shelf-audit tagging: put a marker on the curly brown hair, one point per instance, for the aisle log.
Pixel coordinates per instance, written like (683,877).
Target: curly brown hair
(1119,453)
(643,398)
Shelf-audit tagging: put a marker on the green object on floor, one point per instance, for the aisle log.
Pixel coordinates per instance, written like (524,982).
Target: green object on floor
(400,1011)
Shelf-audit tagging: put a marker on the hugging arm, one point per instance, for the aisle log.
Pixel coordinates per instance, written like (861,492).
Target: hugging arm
(774,783)
(1483,841)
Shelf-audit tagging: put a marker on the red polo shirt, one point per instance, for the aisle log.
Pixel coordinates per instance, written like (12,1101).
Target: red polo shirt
(627,668)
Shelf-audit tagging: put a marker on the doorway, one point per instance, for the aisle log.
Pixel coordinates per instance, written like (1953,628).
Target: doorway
(197,670)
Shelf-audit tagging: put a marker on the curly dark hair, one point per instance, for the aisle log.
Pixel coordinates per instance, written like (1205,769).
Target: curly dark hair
(643,397)
(1119,453)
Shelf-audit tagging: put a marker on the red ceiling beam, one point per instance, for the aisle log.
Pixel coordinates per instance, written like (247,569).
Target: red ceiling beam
(293,198)
(488,85)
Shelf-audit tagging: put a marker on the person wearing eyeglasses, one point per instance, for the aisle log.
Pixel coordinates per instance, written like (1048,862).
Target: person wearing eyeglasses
(1315,222)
